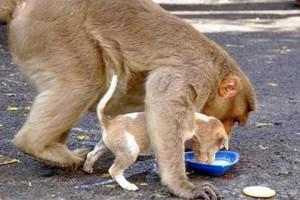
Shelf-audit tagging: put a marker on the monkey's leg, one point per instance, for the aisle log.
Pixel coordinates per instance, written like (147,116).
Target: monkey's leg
(64,137)
(166,112)
(54,112)
(94,155)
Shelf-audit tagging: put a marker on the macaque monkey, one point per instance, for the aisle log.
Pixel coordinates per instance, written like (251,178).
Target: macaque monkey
(126,136)
(68,50)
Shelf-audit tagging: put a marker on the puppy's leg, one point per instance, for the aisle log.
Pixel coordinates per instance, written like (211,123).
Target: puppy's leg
(122,162)
(94,155)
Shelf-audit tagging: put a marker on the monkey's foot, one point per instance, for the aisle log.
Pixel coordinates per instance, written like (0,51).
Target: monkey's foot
(187,190)
(72,160)
(210,190)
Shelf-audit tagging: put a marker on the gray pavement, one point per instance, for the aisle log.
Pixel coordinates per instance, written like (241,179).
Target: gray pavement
(263,36)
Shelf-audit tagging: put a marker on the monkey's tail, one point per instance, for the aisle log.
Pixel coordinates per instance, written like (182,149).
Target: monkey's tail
(101,105)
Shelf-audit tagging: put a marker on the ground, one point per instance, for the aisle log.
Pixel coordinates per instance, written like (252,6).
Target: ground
(263,36)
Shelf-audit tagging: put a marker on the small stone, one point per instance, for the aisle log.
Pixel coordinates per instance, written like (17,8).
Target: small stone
(260,125)
(277,123)
(263,147)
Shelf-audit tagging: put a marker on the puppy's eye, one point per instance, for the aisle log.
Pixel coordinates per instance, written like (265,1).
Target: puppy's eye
(220,142)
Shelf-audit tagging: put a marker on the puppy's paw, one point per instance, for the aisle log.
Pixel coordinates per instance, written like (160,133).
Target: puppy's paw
(87,168)
(130,187)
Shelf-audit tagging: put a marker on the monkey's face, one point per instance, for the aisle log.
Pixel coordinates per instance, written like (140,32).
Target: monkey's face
(228,111)
(231,104)
(206,144)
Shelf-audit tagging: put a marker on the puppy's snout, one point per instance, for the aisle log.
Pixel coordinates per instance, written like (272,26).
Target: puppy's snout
(223,143)
(211,157)
(202,157)
(224,149)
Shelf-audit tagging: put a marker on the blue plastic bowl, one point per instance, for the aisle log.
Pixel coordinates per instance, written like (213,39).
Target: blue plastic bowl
(230,157)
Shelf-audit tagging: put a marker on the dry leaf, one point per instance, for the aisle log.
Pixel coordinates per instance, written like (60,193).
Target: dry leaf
(12,108)
(106,175)
(273,84)
(263,147)
(259,125)
(3,83)
(82,137)
(10,94)
(7,161)
(111,186)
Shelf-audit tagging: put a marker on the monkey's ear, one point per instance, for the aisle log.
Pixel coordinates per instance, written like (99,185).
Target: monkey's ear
(229,87)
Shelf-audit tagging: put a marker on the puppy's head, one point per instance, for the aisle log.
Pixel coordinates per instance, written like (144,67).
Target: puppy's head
(209,138)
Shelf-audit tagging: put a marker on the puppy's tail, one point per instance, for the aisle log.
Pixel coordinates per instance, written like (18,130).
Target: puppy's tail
(101,105)
(7,8)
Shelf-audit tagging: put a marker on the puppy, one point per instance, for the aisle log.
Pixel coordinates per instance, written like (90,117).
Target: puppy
(126,137)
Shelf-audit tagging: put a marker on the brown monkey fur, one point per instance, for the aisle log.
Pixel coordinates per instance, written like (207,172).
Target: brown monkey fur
(68,48)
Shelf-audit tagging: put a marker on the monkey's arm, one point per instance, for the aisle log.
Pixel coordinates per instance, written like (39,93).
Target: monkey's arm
(168,117)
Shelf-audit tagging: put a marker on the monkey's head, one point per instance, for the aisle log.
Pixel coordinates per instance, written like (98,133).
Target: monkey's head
(232,102)
(209,138)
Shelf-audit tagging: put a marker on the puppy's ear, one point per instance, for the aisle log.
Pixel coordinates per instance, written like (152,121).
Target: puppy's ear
(223,142)
(229,87)
(226,144)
